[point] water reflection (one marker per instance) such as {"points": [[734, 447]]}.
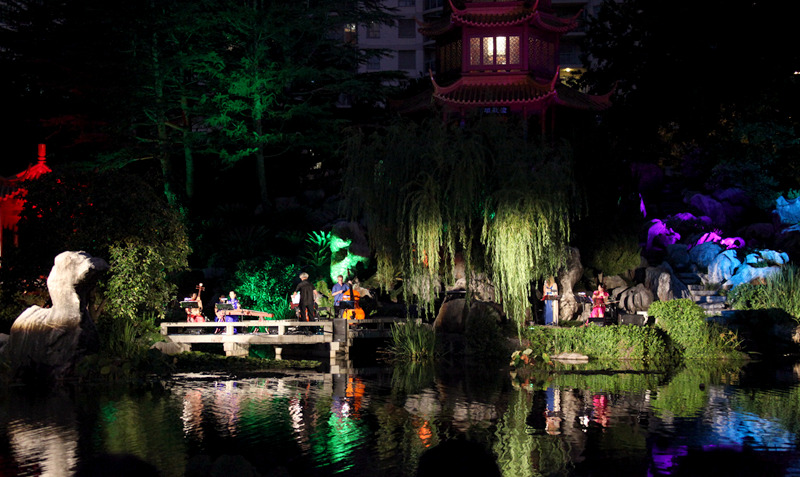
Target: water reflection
{"points": [[568, 421]]}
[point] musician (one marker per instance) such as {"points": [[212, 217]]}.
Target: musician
{"points": [[231, 298], [599, 298], [308, 297], [550, 292], [195, 315], [338, 294]]}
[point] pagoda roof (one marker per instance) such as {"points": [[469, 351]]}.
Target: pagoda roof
{"points": [[575, 99], [10, 186], [498, 14], [34, 171], [500, 90], [517, 92]]}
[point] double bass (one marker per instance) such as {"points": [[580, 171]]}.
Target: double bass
{"points": [[351, 299]]}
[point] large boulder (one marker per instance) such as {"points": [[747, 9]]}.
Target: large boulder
{"points": [[663, 283], [451, 317], [678, 255], [788, 211], [723, 266], [705, 253], [638, 298], [710, 207], [568, 305], [46, 343], [748, 274]]}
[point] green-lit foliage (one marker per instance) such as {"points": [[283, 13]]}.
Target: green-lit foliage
{"points": [[781, 291], [687, 327], [139, 283], [265, 285], [272, 87], [317, 255], [432, 191], [412, 341]]}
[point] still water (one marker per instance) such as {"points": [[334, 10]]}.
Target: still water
{"points": [[577, 420]]}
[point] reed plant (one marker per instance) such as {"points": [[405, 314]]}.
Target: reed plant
{"points": [[413, 341], [781, 291]]}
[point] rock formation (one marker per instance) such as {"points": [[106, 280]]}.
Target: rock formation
{"points": [[46, 343]]}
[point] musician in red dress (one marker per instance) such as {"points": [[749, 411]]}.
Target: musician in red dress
{"points": [[599, 298]]}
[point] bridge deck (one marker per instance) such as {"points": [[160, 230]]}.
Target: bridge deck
{"points": [[277, 333]]}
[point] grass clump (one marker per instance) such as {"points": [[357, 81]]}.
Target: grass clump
{"points": [[781, 291], [412, 341]]}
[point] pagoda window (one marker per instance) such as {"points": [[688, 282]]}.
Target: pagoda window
{"points": [[494, 51]]}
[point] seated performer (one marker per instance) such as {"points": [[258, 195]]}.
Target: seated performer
{"points": [[195, 315], [599, 298]]}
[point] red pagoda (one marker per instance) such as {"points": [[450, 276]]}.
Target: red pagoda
{"points": [[12, 196], [502, 57]]}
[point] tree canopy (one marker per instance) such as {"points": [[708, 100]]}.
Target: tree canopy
{"points": [[430, 193]]}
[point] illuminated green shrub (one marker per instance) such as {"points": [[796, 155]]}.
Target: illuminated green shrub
{"points": [[265, 285]]}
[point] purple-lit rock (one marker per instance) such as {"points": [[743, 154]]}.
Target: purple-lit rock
{"points": [[659, 236]]}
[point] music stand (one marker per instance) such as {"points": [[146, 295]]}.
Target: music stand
{"points": [[189, 304], [224, 306]]}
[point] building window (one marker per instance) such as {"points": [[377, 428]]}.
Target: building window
{"points": [[407, 60], [406, 3], [373, 63], [374, 30], [494, 51], [350, 33], [431, 4], [406, 28]]}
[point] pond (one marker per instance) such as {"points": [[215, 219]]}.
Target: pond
{"points": [[580, 420]]}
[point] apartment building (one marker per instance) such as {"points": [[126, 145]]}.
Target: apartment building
{"points": [[411, 52]]}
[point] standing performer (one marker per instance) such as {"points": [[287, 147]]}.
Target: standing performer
{"points": [[338, 294], [599, 298], [307, 298], [550, 292]]}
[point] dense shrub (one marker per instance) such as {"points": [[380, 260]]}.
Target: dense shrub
{"points": [[266, 285], [612, 342], [687, 326]]}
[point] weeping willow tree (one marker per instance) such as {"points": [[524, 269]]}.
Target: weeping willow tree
{"points": [[429, 192]]}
